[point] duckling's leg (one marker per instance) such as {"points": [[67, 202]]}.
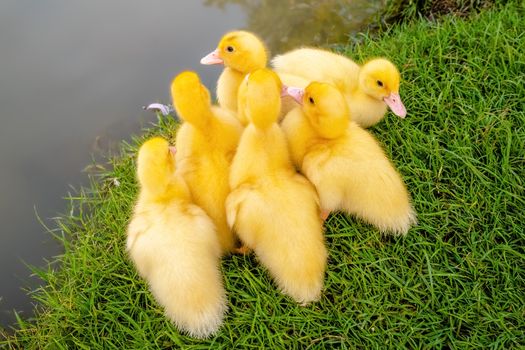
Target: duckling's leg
{"points": [[242, 250]]}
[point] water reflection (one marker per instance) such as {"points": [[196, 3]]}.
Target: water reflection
{"points": [[287, 24]]}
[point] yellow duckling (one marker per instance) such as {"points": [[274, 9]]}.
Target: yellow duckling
{"points": [[273, 209], [206, 141], [368, 89], [174, 246], [344, 162], [241, 52]]}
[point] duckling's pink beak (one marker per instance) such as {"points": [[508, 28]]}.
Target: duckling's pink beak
{"points": [[283, 91], [296, 93], [396, 105], [173, 150], [212, 58]]}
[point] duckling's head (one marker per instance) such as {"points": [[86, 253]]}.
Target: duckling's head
{"points": [[191, 99], [156, 161], [240, 50], [260, 97], [324, 106], [379, 78]]}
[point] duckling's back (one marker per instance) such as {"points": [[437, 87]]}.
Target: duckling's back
{"points": [[354, 174], [204, 162], [174, 246], [275, 212], [319, 65], [273, 209], [206, 142]]}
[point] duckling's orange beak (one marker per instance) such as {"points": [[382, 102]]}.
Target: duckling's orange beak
{"points": [[212, 58], [396, 105], [296, 93]]}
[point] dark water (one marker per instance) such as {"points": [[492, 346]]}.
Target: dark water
{"points": [[73, 74]]}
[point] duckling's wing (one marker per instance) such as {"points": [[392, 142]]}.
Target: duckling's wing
{"points": [[234, 202], [137, 226]]}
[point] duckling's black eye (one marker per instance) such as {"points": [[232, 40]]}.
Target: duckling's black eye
{"points": [[380, 83], [311, 100], [229, 48]]}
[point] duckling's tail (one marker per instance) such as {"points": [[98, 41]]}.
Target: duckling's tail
{"points": [[191, 99], [155, 166]]}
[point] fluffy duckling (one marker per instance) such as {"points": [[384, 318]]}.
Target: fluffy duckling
{"points": [[273, 209], [174, 246], [207, 141], [344, 162], [368, 89], [241, 52]]}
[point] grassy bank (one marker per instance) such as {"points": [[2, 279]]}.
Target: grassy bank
{"points": [[397, 11], [457, 280]]}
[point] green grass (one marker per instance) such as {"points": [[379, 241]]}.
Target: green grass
{"points": [[456, 281]]}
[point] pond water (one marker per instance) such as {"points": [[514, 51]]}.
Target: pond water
{"points": [[75, 75]]}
